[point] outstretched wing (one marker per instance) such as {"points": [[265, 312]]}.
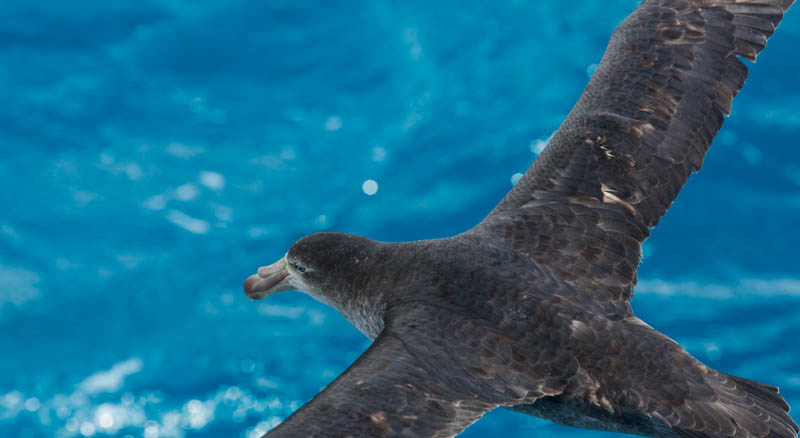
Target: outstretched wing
{"points": [[386, 392], [436, 369], [641, 127]]}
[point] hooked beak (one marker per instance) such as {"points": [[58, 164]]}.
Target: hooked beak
{"points": [[269, 280]]}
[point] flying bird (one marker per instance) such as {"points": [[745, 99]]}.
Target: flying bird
{"points": [[529, 310]]}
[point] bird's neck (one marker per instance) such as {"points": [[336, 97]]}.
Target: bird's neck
{"points": [[392, 273], [366, 316]]}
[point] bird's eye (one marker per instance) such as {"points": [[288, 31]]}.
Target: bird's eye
{"points": [[299, 268]]}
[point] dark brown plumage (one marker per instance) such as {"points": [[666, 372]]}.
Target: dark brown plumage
{"points": [[530, 309]]}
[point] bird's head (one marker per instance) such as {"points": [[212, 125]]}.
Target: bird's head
{"points": [[359, 277], [323, 265]]}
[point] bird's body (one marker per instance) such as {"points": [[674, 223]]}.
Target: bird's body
{"points": [[529, 310]]}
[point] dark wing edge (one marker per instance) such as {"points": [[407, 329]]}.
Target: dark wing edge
{"points": [[694, 400], [738, 407], [386, 392], [641, 127]]}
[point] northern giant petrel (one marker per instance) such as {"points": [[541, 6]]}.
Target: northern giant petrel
{"points": [[529, 310]]}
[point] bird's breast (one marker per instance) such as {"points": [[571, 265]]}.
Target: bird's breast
{"points": [[365, 317]]}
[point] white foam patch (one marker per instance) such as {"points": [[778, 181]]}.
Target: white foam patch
{"points": [[290, 312], [157, 202], [263, 427], [130, 261], [187, 192], [261, 232], [271, 162], [369, 187], [87, 429], [793, 381], [198, 413], [32, 404], [148, 415], [411, 37], [322, 222], [212, 180], [538, 145], [334, 123], [84, 197], [188, 223], [9, 231], [106, 159], [591, 69], [751, 153], [112, 379], [12, 404], [133, 171], [183, 151], [288, 153], [379, 154], [746, 287], [17, 286], [223, 213]]}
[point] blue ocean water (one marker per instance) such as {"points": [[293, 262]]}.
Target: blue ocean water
{"points": [[155, 153]]}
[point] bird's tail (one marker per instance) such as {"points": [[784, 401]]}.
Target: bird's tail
{"points": [[741, 408]]}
